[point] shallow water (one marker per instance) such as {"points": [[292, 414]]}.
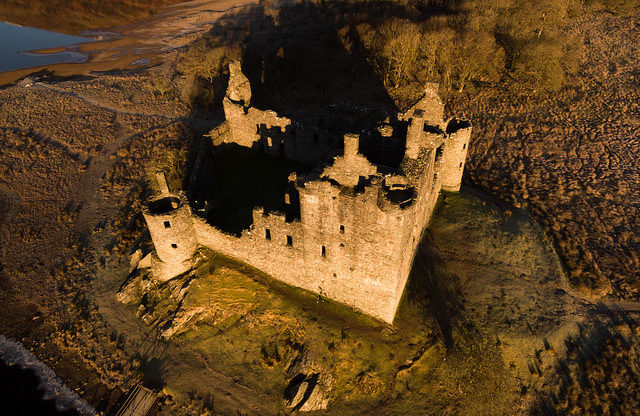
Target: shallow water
{"points": [[20, 394], [17, 42], [30, 387]]}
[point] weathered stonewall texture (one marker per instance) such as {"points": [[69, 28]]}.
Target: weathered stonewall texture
{"points": [[266, 131], [170, 224], [356, 229]]}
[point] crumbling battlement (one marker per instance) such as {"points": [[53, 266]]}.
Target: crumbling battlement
{"points": [[356, 226], [266, 131]]}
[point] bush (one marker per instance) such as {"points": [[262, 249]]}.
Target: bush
{"points": [[206, 67]]}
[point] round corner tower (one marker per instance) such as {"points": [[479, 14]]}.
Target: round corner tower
{"points": [[171, 227], [458, 134]]}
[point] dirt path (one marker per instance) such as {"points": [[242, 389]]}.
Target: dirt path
{"points": [[94, 207], [121, 111]]}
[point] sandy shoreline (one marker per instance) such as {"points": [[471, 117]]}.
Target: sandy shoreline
{"points": [[137, 45]]}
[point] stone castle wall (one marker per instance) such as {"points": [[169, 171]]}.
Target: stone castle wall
{"points": [[170, 225], [455, 154], [343, 247], [358, 230]]}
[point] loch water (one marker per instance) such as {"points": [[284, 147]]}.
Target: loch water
{"points": [[18, 43], [20, 394]]}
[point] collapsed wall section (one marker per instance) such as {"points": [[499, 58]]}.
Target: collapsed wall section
{"points": [[265, 130]]}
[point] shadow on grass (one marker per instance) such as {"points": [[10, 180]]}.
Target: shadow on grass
{"points": [[435, 291], [598, 371]]}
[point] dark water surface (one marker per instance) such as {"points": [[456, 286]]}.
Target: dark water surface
{"points": [[16, 42], [20, 396]]}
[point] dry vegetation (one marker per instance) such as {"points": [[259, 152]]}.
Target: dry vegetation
{"points": [[599, 374], [75, 16], [57, 145], [573, 157], [77, 128]]}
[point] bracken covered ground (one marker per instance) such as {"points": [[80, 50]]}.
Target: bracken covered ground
{"points": [[573, 156]]}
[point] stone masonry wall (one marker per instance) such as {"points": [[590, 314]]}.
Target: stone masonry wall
{"points": [[359, 263], [171, 229], [454, 156], [361, 244], [352, 242]]}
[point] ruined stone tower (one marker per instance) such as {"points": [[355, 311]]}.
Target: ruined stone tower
{"points": [[168, 218], [427, 129], [456, 145]]}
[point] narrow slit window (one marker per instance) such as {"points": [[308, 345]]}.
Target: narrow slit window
{"points": [[324, 251], [167, 224], [464, 146], [174, 245], [289, 241], [439, 153], [460, 165], [257, 128], [267, 234], [342, 229]]}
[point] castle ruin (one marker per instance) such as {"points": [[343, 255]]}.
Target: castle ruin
{"points": [[350, 228]]}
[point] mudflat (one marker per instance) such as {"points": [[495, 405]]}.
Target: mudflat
{"points": [[133, 45]]}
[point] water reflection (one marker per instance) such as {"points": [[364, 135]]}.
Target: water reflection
{"points": [[16, 42]]}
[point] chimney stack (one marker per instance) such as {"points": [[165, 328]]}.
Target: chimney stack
{"points": [[351, 145], [162, 183]]}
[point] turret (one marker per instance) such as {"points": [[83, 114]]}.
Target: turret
{"points": [[171, 228], [456, 146]]}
